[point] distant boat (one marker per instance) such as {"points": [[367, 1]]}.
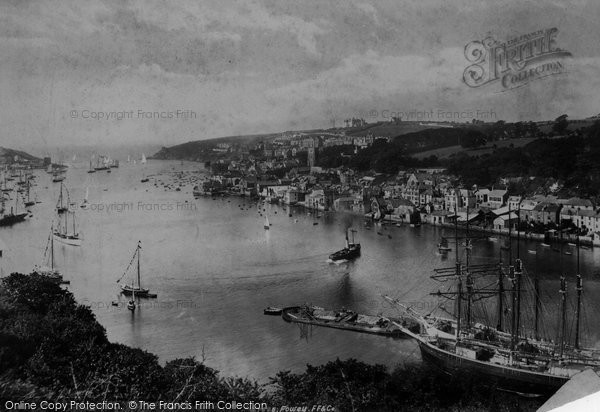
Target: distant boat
{"points": [[85, 204], [9, 218], [267, 224], [29, 202], [57, 177], [443, 245], [62, 205], [492, 239], [545, 245], [143, 161], [272, 310], [533, 252], [133, 289]]}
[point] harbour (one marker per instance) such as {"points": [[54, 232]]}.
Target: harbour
{"points": [[229, 277]]}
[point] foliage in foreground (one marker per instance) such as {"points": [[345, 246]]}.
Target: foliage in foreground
{"points": [[51, 348]]}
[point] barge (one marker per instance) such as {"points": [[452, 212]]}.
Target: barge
{"points": [[349, 320]]}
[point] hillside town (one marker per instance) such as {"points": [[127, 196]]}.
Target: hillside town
{"points": [[286, 171]]}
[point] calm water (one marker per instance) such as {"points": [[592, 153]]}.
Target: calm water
{"points": [[215, 269]]}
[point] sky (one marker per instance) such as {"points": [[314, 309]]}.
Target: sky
{"points": [[225, 68]]}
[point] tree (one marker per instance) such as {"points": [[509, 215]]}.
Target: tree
{"points": [[560, 124]]}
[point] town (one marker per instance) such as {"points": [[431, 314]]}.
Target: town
{"points": [[286, 170]]}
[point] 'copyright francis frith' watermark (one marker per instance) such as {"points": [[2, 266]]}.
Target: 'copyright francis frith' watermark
{"points": [[515, 62], [142, 207], [431, 114], [137, 114]]}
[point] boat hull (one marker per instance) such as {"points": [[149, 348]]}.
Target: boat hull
{"points": [[141, 293], [67, 240], [348, 253], [9, 220], [503, 377], [293, 314]]}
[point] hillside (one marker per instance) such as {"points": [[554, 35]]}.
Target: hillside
{"points": [[7, 156], [389, 129], [202, 150]]}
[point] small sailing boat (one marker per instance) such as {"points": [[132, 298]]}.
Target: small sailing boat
{"points": [[91, 169], [133, 289], [143, 161], [267, 224], [85, 204]]}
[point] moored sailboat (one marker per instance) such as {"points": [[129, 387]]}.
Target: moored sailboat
{"points": [[66, 233], [136, 290], [49, 269]]}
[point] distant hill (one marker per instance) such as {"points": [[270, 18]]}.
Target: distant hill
{"points": [[202, 150], [7, 156], [389, 129]]}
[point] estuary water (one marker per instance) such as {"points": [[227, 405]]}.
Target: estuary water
{"points": [[215, 268]]}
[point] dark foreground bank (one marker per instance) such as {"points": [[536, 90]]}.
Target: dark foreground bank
{"points": [[53, 349]]}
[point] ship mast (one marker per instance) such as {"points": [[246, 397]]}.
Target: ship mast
{"points": [[139, 251], [563, 294], [469, 277], [458, 273], [518, 274], [579, 288]]}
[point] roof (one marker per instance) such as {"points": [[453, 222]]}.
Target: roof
{"points": [[577, 201], [506, 217], [498, 192]]}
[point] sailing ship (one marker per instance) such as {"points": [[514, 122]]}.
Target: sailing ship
{"points": [[91, 169], [136, 290], [67, 233], [49, 270], [351, 251], [143, 160], [102, 163], [9, 218], [62, 205], [29, 201], [267, 225], [510, 359]]}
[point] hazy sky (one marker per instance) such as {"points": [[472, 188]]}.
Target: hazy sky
{"points": [[262, 66]]}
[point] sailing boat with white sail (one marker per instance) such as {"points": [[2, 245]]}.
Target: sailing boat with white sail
{"points": [[85, 204], [137, 290]]}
